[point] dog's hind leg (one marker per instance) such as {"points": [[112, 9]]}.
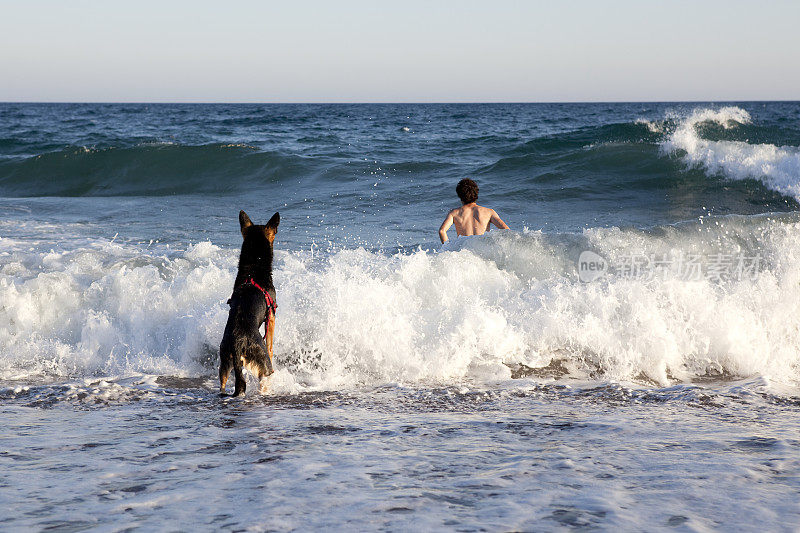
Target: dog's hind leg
{"points": [[225, 366], [241, 382], [224, 371], [263, 384], [265, 372]]}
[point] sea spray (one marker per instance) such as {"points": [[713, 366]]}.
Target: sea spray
{"points": [[473, 311]]}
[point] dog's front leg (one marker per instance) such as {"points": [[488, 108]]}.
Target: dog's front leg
{"points": [[270, 332], [265, 376]]}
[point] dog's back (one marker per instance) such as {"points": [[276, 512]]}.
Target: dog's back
{"points": [[252, 304]]}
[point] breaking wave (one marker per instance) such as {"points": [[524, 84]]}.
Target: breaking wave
{"points": [[482, 309], [777, 167]]}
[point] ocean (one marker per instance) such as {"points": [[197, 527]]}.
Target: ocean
{"points": [[626, 356]]}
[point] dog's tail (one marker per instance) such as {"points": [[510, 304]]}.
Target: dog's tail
{"points": [[252, 350]]}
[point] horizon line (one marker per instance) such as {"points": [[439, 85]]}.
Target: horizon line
{"points": [[498, 102]]}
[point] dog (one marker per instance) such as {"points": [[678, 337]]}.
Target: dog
{"points": [[251, 304]]}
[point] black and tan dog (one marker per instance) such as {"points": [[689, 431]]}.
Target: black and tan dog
{"points": [[252, 304]]}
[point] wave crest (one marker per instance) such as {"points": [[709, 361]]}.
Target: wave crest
{"points": [[147, 169], [777, 167]]}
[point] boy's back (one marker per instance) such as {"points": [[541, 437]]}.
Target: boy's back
{"points": [[470, 218]]}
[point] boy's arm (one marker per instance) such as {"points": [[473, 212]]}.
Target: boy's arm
{"points": [[497, 221], [445, 226]]}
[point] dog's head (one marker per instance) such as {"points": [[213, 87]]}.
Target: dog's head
{"points": [[258, 239]]}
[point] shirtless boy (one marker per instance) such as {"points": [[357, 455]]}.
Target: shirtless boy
{"points": [[470, 218]]}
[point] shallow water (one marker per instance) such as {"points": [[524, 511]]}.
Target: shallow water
{"points": [[169, 454]]}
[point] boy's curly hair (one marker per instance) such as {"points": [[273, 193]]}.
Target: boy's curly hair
{"points": [[467, 190]]}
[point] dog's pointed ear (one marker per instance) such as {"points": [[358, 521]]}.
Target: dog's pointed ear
{"points": [[272, 227], [244, 222], [274, 221]]}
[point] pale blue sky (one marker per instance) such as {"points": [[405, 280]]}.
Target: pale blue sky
{"points": [[401, 51]]}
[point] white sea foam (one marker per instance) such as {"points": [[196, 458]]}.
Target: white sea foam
{"points": [[778, 167], [357, 317], [654, 126], [108, 308]]}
